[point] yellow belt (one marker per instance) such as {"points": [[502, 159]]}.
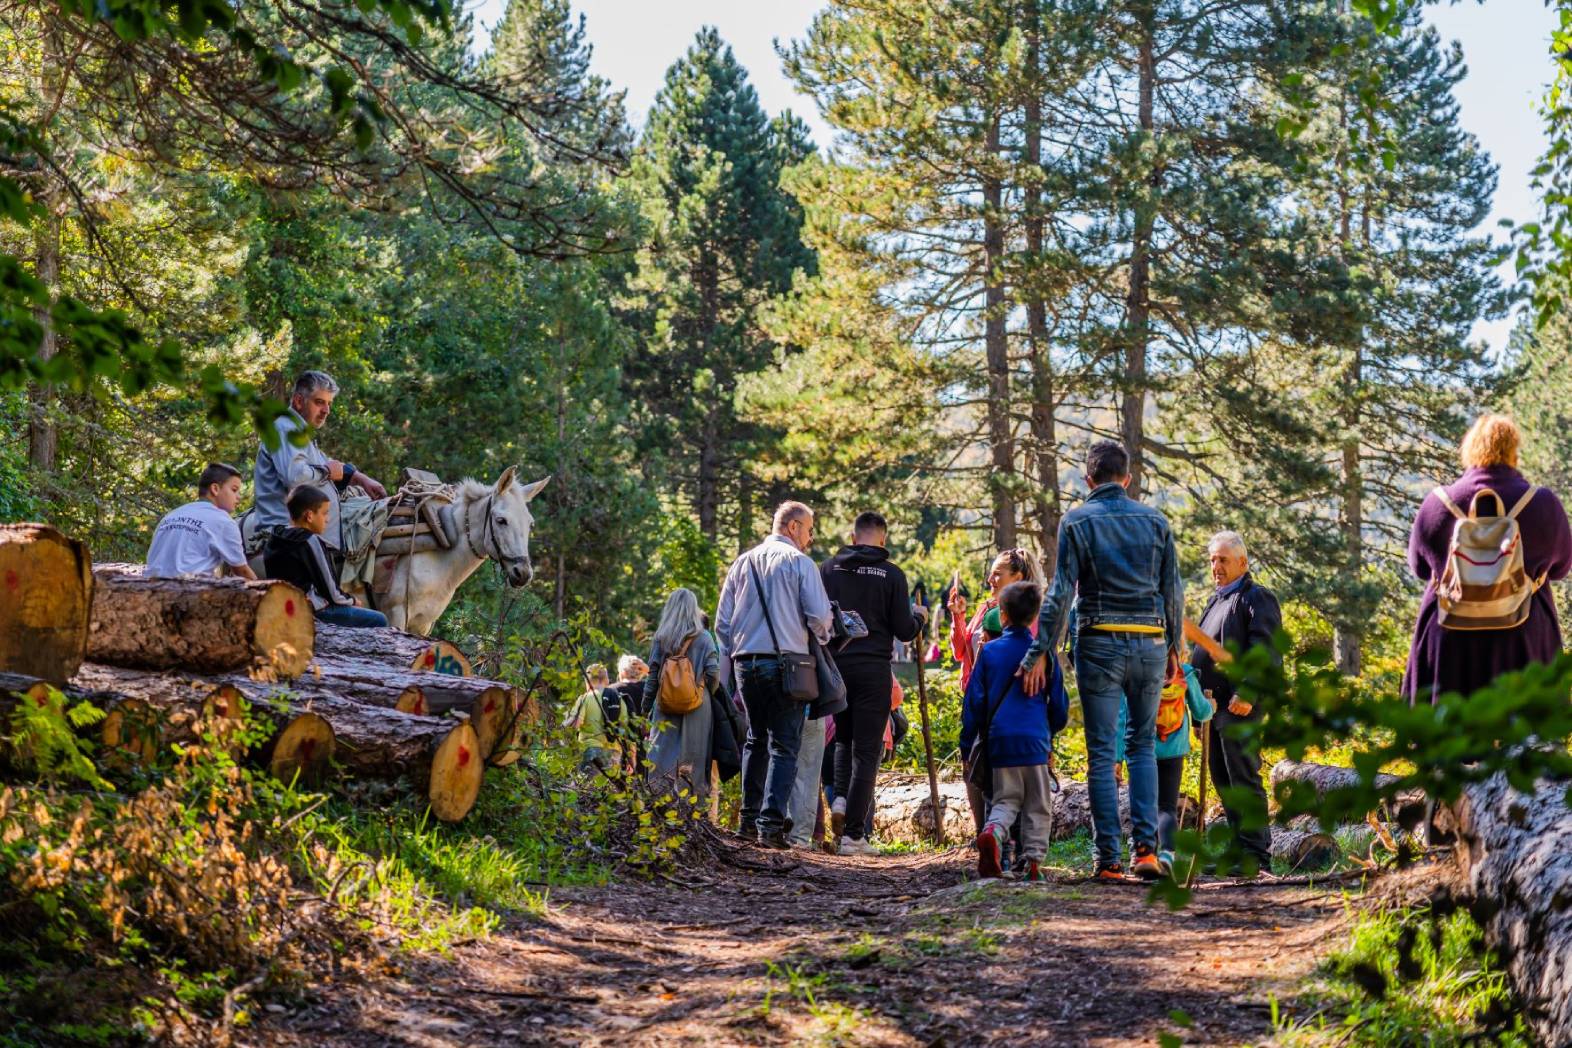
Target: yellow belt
{"points": [[1133, 628]]}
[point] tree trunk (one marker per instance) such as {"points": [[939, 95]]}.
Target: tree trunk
{"points": [[206, 625], [1132, 407], [392, 647], [1325, 777], [42, 439], [1044, 436], [1001, 443], [316, 728], [46, 597], [1512, 848]]}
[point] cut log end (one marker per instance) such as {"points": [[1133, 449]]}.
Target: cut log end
{"points": [[456, 769], [412, 700], [491, 716], [285, 631], [303, 751], [525, 717], [442, 657], [46, 596], [130, 733], [224, 712]]}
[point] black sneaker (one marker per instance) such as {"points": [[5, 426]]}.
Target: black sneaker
{"points": [[748, 830], [776, 839]]}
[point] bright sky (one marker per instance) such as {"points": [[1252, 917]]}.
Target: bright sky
{"points": [[635, 41]]}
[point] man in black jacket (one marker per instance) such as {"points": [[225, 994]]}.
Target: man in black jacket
{"points": [[1243, 614], [861, 578]]}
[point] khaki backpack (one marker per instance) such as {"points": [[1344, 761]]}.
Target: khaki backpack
{"points": [[679, 693], [1484, 585]]}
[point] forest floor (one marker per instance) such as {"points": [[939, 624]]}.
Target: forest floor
{"points": [[773, 948]]}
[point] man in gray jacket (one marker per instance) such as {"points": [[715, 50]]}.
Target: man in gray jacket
{"points": [[772, 597], [281, 470]]}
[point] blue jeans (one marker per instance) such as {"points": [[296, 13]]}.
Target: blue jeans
{"points": [[807, 787], [349, 615], [769, 760], [1110, 668]]}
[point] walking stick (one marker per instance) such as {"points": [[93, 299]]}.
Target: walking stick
{"points": [[927, 742], [1200, 814]]}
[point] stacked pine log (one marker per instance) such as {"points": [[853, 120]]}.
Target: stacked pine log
{"points": [[168, 658]]}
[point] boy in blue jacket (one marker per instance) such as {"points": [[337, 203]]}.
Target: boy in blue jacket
{"points": [[1019, 730]]}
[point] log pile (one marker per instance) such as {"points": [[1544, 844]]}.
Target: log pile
{"points": [[170, 660]]}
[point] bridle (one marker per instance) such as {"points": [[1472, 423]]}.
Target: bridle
{"points": [[493, 549]]}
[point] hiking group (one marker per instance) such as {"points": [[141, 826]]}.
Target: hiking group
{"points": [[793, 688]]}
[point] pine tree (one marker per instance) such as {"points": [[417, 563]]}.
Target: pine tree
{"points": [[723, 238], [1362, 411]]}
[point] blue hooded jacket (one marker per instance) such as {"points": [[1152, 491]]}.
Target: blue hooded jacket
{"points": [[1021, 732]]}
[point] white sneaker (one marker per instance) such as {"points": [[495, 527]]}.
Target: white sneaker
{"points": [[857, 847], [839, 807]]}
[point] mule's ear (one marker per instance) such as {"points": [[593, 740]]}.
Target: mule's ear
{"points": [[506, 480], [531, 490]]}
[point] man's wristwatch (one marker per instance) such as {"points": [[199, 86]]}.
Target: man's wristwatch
{"points": [[349, 471]]}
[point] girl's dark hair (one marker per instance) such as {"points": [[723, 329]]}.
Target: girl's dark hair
{"points": [[1020, 602], [304, 499]]}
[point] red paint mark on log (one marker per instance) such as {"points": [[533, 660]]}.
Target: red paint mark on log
{"points": [[307, 748], [289, 608], [41, 701], [420, 706], [431, 658], [463, 756], [491, 704], [11, 581]]}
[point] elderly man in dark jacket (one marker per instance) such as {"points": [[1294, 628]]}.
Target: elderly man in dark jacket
{"points": [[1242, 614]]}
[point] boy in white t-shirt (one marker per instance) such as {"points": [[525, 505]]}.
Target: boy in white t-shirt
{"points": [[202, 536]]}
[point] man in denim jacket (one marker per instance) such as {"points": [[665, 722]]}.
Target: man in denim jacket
{"points": [[1117, 557]]}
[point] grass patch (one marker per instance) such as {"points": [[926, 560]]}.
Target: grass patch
{"points": [[1449, 991]]}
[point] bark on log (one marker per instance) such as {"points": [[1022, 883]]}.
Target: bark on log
{"points": [[392, 647], [318, 727], [1304, 850], [46, 597], [205, 625], [1323, 778], [1517, 867], [488, 705]]}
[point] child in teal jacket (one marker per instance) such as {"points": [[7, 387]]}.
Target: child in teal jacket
{"points": [[1170, 753]]}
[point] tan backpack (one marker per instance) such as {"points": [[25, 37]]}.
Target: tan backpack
{"points": [[679, 693], [1484, 585]]}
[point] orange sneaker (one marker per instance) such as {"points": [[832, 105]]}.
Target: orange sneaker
{"points": [[1112, 872], [988, 864], [1147, 865]]}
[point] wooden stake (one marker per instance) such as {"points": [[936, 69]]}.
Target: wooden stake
{"points": [[927, 745], [1200, 813]]}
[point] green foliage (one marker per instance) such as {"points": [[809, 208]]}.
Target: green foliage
{"points": [[1402, 980]]}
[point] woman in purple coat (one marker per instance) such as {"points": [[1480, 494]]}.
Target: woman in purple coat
{"points": [[1441, 659]]}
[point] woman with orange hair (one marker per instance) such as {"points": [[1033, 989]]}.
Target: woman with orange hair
{"points": [[1486, 616]]}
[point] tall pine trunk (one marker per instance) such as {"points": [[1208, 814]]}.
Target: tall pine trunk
{"points": [[42, 439], [1132, 409], [1347, 635], [708, 495], [1000, 438], [1044, 437]]}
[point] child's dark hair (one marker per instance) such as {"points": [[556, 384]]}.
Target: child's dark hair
{"points": [[215, 473], [1020, 602], [304, 499]]}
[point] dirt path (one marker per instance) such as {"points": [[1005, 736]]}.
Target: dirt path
{"points": [[764, 948]]}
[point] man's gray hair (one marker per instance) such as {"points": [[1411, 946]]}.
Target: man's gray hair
{"points": [[787, 512], [1229, 540], [311, 381]]}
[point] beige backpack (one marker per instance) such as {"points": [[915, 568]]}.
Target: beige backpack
{"points": [[1485, 586], [679, 693]]}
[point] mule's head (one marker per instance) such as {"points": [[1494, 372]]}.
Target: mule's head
{"points": [[510, 524]]}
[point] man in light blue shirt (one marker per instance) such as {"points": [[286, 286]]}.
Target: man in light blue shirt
{"points": [[280, 471], [778, 578]]}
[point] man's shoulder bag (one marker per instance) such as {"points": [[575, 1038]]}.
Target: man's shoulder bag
{"points": [[799, 673]]}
